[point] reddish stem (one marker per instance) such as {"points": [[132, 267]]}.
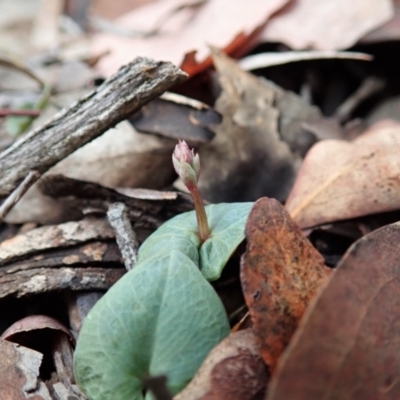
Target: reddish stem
{"points": [[202, 222], [5, 112]]}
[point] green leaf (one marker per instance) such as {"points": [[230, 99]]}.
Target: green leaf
{"points": [[162, 317], [226, 222]]}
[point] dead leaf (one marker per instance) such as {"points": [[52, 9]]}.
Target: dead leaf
{"points": [[53, 339], [31, 323], [347, 345], [388, 31], [340, 180], [183, 31], [347, 22], [265, 60], [280, 272], [45, 30], [252, 157], [106, 161], [177, 117], [233, 370], [19, 373], [386, 109]]}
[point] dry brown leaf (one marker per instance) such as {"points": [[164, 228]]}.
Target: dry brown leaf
{"points": [[233, 370], [216, 22], [280, 272], [340, 180], [389, 31], [19, 373], [347, 345], [270, 59], [108, 160], [177, 117], [31, 323], [326, 25], [252, 157]]}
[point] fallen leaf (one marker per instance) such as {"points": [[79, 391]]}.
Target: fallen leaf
{"points": [[234, 369], [169, 29], [340, 180], [19, 373], [257, 147], [280, 272], [265, 60], [50, 337], [386, 109], [347, 344], [32, 323], [388, 31], [108, 162], [178, 117], [348, 22]]}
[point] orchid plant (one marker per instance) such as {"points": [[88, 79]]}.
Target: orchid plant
{"points": [[163, 317]]}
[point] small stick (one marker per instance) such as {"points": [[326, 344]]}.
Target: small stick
{"points": [[368, 88], [118, 97], [16, 195], [5, 112], [124, 234]]}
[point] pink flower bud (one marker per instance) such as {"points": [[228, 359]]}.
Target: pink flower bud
{"points": [[186, 164]]}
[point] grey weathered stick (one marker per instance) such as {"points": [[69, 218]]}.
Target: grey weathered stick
{"points": [[15, 196], [124, 234], [118, 97]]}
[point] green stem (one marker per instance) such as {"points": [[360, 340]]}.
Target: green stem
{"points": [[202, 222]]}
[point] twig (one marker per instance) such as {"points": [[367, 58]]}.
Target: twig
{"points": [[124, 234], [15, 196], [117, 98], [23, 113], [367, 89]]}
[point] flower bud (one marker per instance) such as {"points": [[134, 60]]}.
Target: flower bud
{"points": [[186, 164]]}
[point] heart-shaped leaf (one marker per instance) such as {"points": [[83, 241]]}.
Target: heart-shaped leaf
{"points": [[226, 223], [162, 317]]}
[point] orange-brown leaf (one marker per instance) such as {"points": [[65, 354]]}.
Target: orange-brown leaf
{"points": [[347, 345], [281, 272]]}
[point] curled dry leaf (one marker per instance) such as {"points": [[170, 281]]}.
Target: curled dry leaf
{"points": [[281, 272], [347, 344], [234, 369], [31, 323], [348, 23], [340, 180]]}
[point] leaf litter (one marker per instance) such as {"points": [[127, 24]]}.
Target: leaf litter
{"points": [[253, 132], [349, 350]]}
